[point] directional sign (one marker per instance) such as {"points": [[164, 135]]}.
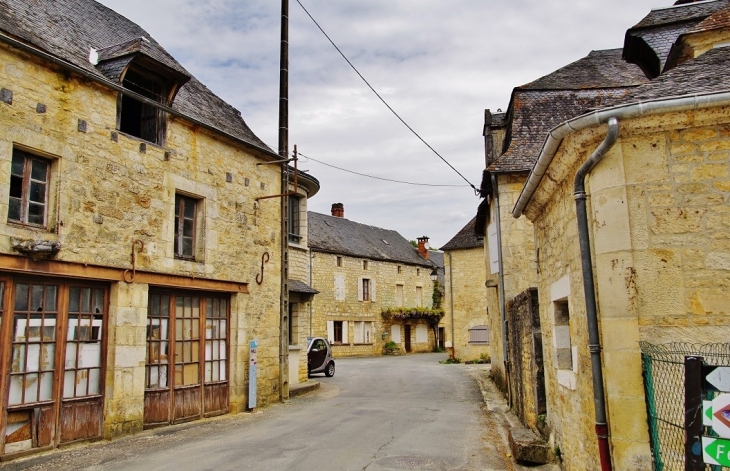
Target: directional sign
{"points": [[252, 373], [716, 451], [717, 377], [707, 413], [721, 415]]}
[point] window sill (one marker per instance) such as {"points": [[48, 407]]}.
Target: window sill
{"points": [[295, 347], [363, 343], [139, 139], [297, 245]]}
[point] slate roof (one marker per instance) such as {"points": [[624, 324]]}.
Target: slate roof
{"points": [[341, 236], [649, 42], [598, 80], [297, 286], [707, 73], [68, 29], [465, 239], [437, 258]]}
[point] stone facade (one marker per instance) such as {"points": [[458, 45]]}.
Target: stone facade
{"points": [[111, 195], [344, 305], [465, 303], [658, 217]]}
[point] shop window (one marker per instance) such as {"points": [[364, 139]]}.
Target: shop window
{"points": [[29, 179], [140, 119], [83, 342], [216, 340]]}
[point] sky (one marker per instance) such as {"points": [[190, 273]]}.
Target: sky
{"points": [[438, 63]]}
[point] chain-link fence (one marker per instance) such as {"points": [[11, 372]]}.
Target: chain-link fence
{"points": [[663, 369]]}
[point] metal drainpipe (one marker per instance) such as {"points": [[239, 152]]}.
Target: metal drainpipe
{"points": [[312, 285], [594, 340], [451, 303], [502, 301]]}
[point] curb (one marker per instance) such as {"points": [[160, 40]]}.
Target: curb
{"points": [[303, 388]]}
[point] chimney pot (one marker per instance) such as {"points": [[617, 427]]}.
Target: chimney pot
{"points": [[338, 210], [422, 249]]}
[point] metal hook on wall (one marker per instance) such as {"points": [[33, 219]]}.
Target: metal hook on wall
{"points": [[130, 274], [264, 259]]}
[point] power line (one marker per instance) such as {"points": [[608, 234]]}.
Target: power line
{"points": [[377, 178], [381, 98]]}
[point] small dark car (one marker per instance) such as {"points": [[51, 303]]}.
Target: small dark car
{"points": [[319, 357]]}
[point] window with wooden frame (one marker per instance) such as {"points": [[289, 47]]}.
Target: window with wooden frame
{"points": [[294, 219], [140, 119], [83, 342], [338, 331], [29, 181], [186, 215], [216, 339], [365, 289]]}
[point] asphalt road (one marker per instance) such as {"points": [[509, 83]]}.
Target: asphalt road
{"points": [[387, 413]]}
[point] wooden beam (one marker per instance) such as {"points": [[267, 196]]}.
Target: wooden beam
{"points": [[29, 266]]}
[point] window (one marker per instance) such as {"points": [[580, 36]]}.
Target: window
{"points": [[418, 272], [28, 189], [337, 332], [363, 332], [419, 296], [398, 295], [185, 215], [365, 290], [140, 119], [339, 262], [294, 219], [364, 264], [563, 349], [400, 269], [421, 333], [479, 335]]}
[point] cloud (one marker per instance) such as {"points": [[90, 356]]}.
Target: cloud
{"points": [[438, 63]]}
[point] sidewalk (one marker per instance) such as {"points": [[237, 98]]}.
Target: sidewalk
{"points": [[506, 430]]}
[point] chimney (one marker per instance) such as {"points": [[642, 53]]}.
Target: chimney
{"points": [[338, 210], [422, 250]]}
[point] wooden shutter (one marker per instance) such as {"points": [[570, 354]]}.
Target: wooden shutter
{"points": [[359, 289], [372, 289], [345, 336], [331, 331]]}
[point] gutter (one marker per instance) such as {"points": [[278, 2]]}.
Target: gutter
{"points": [[118, 88], [635, 110], [451, 306], [502, 299]]}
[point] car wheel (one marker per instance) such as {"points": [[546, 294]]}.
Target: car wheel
{"points": [[330, 370]]}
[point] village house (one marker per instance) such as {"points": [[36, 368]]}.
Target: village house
{"points": [[138, 260], [466, 322], [360, 271], [628, 203]]}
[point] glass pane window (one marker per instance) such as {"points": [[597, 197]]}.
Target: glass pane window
{"points": [[27, 202], [82, 376], [216, 340], [294, 219], [156, 364], [33, 343], [185, 216]]}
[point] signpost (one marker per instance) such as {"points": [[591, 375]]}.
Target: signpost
{"points": [[716, 451], [716, 414], [718, 377], [252, 373]]}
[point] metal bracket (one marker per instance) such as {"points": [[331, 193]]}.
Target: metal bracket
{"points": [[129, 275], [264, 259]]}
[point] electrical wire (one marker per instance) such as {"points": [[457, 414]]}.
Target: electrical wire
{"points": [[383, 100], [377, 178]]}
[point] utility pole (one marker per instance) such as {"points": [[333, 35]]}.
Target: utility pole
{"points": [[284, 154]]}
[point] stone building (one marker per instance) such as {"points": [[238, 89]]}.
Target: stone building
{"points": [[137, 261], [645, 267], [466, 320], [359, 271]]}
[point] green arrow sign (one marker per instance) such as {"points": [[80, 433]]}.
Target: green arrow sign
{"points": [[716, 451]]}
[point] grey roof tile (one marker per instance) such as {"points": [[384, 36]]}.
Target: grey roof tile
{"points": [[600, 79], [342, 236], [466, 238], [297, 286], [68, 29]]}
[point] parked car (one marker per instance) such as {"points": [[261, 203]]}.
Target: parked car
{"points": [[319, 357]]}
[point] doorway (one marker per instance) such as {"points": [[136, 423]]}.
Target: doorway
{"points": [[407, 332]]}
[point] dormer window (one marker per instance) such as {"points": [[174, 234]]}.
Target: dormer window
{"points": [[141, 119]]}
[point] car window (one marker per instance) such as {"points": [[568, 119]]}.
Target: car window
{"points": [[319, 344]]}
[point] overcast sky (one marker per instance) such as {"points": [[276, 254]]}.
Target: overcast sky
{"points": [[438, 63]]}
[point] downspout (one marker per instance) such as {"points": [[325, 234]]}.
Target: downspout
{"points": [[594, 340], [312, 285], [451, 305], [502, 301]]}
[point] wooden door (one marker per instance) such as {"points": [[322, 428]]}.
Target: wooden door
{"points": [[407, 332], [187, 374]]}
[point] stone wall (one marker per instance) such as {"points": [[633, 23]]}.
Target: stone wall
{"points": [[659, 230], [108, 189], [466, 293], [385, 276]]}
